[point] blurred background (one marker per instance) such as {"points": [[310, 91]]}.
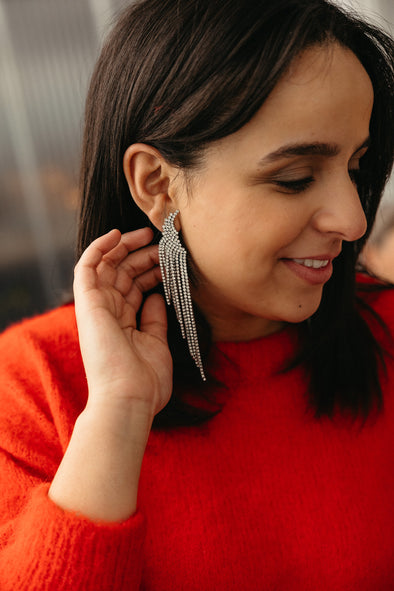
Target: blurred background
{"points": [[47, 52]]}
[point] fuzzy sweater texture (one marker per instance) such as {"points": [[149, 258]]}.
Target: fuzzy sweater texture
{"points": [[262, 497]]}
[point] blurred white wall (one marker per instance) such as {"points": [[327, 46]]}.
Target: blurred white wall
{"points": [[47, 51]]}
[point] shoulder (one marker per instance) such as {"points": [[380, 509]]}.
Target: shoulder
{"points": [[46, 323], [42, 379], [41, 353], [50, 332]]}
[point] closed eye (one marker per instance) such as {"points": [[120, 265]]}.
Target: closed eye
{"points": [[296, 185]]}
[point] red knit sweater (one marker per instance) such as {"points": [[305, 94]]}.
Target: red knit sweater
{"points": [[261, 497]]}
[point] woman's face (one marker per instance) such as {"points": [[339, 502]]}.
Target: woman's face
{"points": [[267, 213]]}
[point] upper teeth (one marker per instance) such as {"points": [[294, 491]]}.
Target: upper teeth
{"points": [[314, 263]]}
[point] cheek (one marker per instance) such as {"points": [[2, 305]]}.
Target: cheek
{"points": [[249, 232], [245, 254]]}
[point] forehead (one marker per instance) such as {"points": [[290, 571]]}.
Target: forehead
{"points": [[324, 88], [326, 96], [322, 65], [321, 81]]}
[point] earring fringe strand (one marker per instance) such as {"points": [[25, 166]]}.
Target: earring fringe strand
{"points": [[173, 265]]}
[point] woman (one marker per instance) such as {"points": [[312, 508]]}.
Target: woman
{"points": [[262, 133]]}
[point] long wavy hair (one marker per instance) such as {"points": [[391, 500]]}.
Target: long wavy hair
{"points": [[180, 74]]}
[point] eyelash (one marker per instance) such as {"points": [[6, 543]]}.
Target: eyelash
{"points": [[296, 186], [300, 185]]}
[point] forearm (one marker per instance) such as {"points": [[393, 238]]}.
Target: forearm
{"points": [[99, 474]]}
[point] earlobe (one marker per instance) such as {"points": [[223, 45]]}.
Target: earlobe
{"points": [[148, 176]]}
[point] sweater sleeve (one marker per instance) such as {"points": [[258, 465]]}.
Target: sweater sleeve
{"points": [[43, 547]]}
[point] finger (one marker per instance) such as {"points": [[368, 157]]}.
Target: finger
{"points": [[134, 268], [137, 238], [129, 287], [129, 242], [85, 272], [94, 253], [148, 280], [140, 261], [113, 241], [154, 317]]}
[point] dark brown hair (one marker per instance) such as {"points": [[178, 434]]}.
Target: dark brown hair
{"points": [[180, 74]]}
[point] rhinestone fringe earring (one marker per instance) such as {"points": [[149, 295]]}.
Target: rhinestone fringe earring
{"points": [[172, 258]]}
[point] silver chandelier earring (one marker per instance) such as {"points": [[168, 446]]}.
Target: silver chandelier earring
{"points": [[173, 265]]}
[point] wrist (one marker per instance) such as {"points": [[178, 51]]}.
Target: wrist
{"points": [[121, 419], [99, 474]]}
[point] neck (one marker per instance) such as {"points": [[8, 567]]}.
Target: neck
{"points": [[244, 327]]}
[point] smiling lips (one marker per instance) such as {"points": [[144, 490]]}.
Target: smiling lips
{"points": [[314, 271], [312, 263]]}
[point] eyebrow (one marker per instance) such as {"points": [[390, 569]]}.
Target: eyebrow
{"points": [[304, 149]]}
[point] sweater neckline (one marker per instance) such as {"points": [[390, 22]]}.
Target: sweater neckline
{"points": [[260, 356]]}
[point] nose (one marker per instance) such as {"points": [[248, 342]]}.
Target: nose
{"points": [[340, 212]]}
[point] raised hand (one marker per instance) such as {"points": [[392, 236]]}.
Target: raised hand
{"points": [[123, 361], [129, 373]]}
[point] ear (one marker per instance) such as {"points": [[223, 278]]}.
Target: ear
{"points": [[148, 175]]}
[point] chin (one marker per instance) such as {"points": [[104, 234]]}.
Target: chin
{"points": [[302, 312]]}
